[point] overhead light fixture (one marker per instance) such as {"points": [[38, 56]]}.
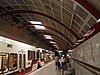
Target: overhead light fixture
{"points": [[39, 27], [52, 42], [70, 50], [60, 51], [35, 22], [48, 37], [55, 45]]}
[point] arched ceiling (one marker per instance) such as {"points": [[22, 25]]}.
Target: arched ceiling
{"points": [[68, 20]]}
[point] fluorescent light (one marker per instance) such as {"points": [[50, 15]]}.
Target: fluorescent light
{"points": [[52, 42], [48, 37], [55, 45], [39, 27], [35, 22], [47, 50], [70, 50], [60, 51]]}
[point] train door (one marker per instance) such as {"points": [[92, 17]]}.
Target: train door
{"points": [[22, 61]]}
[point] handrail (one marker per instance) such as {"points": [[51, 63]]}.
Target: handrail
{"points": [[89, 67]]}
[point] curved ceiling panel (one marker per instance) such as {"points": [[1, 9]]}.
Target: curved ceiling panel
{"points": [[32, 25], [43, 14], [67, 19]]}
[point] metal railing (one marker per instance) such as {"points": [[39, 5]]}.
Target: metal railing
{"points": [[93, 69]]}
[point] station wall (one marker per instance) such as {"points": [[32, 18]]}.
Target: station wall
{"points": [[88, 52]]}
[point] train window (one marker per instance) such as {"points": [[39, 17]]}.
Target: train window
{"points": [[3, 62], [31, 55], [13, 61]]}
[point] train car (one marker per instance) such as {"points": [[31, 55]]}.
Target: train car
{"points": [[16, 56], [45, 56]]}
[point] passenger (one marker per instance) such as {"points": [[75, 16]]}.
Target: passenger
{"points": [[56, 62], [57, 57], [62, 62]]}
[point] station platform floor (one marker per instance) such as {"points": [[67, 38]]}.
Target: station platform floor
{"points": [[49, 69]]}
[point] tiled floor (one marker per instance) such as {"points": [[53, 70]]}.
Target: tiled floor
{"points": [[48, 69]]}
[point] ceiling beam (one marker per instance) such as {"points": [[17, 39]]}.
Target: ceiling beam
{"points": [[62, 40], [47, 33], [43, 14], [31, 25], [95, 28], [57, 40], [90, 8]]}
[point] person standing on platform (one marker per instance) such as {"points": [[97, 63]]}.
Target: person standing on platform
{"points": [[56, 62], [57, 57], [62, 62]]}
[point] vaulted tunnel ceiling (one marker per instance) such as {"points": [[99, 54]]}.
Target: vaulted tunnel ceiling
{"points": [[67, 21]]}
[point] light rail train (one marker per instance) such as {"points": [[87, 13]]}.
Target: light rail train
{"points": [[17, 57]]}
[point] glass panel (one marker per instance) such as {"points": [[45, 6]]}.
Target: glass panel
{"points": [[31, 55], [3, 62], [13, 61]]}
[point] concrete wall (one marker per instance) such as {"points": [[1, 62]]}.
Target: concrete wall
{"points": [[88, 52]]}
